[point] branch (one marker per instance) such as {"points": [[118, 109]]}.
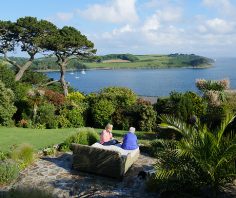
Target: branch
{"points": [[51, 82], [11, 61]]}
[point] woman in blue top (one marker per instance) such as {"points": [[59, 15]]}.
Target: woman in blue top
{"points": [[130, 141]]}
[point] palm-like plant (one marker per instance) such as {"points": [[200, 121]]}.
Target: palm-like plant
{"points": [[201, 158]]}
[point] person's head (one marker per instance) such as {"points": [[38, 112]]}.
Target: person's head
{"points": [[109, 127], [132, 129]]}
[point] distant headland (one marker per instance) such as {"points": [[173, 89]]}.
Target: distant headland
{"points": [[124, 61]]}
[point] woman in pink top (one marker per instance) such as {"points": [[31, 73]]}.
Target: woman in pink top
{"points": [[106, 136]]}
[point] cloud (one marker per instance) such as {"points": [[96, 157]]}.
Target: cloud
{"points": [[64, 16], [151, 24], [117, 32], [116, 11], [160, 28], [170, 14], [225, 7], [218, 26]]}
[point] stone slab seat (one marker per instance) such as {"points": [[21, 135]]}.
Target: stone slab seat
{"points": [[111, 161]]}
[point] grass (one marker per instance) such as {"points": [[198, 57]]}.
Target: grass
{"points": [[38, 138], [41, 138], [148, 61]]}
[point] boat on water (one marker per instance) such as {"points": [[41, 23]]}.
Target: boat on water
{"points": [[77, 75], [72, 72], [83, 72]]}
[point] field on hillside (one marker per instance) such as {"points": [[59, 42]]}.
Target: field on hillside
{"points": [[149, 61]]}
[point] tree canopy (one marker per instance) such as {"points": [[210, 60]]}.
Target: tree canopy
{"points": [[28, 33], [66, 44], [36, 36]]}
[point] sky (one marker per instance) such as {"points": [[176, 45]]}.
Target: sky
{"points": [[203, 27]]}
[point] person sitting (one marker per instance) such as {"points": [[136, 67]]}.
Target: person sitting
{"points": [[130, 140], [106, 136]]}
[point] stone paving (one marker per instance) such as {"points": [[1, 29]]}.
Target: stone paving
{"points": [[55, 175]]}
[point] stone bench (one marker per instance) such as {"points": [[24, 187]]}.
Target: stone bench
{"points": [[111, 161]]}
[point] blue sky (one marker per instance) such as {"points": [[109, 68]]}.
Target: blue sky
{"points": [[204, 27]]}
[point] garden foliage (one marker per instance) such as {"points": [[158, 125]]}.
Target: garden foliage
{"points": [[7, 108], [201, 159], [85, 136]]}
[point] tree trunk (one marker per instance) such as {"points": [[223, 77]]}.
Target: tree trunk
{"points": [[35, 112], [23, 69], [62, 78]]}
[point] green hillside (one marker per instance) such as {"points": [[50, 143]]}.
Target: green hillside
{"points": [[124, 61], [156, 61]]}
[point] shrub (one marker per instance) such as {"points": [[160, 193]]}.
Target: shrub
{"points": [[23, 123], [54, 97], [20, 90], [71, 116], [49, 151], [214, 85], [8, 171], [3, 156], [122, 119], [7, 108], [28, 192], [85, 136], [23, 155], [120, 96], [63, 122], [46, 115], [102, 111], [7, 76], [143, 117], [202, 159], [183, 106], [76, 97], [34, 78]]}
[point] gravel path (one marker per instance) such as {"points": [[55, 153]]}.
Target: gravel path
{"points": [[55, 174]]}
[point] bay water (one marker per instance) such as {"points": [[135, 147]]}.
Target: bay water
{"points": [[150, 82]]}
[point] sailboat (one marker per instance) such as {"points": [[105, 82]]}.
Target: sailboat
{"points": [[83, 72], [72, 72], [77, 76]]}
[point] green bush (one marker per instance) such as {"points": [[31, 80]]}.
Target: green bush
{"points": [[71, 116], [143, 117], [8, 171], [7, 76], [3, 156], [85, 136], [182, 105], [120, 96], [46, 115], [122, 119], [201, 160], [20, 90], [108, 101], [28, 193], [63, 122], [23, 155], [75, 97], [7, 108], [102, 111]]}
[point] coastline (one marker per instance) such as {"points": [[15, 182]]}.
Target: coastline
{"points": [[119, 68]]}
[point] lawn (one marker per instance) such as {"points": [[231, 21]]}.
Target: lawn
{"points": [[41, 138]]}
